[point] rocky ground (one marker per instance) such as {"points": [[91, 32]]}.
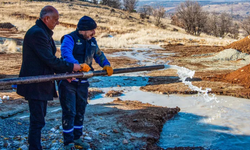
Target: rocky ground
{"points": [[116, 125], [121, 124]]}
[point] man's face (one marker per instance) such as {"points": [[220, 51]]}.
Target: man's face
{"points": [[52, 20], [87, 35]]}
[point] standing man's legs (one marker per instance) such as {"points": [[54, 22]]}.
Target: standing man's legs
{"points": [[81, 103], [67, 95], [38, 110]]}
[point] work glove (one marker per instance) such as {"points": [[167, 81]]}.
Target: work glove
{"points": [[84, 67], [108, 69]]}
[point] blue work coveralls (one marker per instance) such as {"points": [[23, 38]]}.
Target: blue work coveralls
{"points": [[73, 96]]}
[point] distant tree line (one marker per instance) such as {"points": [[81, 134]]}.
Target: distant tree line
{"points": [[190, 16], [245, 25], [128, 5], [158, 13]]}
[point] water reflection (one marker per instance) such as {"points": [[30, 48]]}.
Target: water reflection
{"points": [[189, 130]]}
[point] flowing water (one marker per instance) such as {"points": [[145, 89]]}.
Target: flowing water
{"points": [[209, 121]]}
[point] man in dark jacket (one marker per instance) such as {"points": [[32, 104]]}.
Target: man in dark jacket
{"points": [[78, 47], [39, 59]]}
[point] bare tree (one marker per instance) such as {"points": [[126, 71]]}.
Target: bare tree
{"points": [[245, 25], [159, 13], [192, 16], [176, 21], [224, 23], [95, 1], [130, 5], [235, 31], [211, 27], [221, 25], [111, 3], [145, 11]]}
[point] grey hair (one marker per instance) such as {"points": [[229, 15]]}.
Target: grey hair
{"points": [[46, 11]]}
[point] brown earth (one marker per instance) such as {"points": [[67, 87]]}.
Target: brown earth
{"points": [[241, 45], [222, 82]]}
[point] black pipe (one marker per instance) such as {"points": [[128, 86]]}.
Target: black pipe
{"points": [[46, 78]]}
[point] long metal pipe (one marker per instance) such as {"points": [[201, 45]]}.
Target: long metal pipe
{"points": [[46, 78]]}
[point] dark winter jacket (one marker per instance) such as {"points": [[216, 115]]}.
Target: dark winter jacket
{"points": [[39, 59]]}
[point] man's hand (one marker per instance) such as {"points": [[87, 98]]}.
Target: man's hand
{"points": [[108, 69], [70, 80], [76, 67], [85, 67]]}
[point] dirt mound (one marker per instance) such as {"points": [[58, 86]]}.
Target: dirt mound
{"points": [[24, 16], [229, 55], [7, 26], [241, 45], [240, 76]]}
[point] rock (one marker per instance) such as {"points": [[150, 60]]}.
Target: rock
{"points": [[5, 144], [6, 97], [135, 120], [125, 141], [113, 93], [53, 130], [118, 99], [23, 147], [115, 131], [87, 138]]}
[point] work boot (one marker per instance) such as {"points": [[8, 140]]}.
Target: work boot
{"points": [[71, 146], [80, 142]]}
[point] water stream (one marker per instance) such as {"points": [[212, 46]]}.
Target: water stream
{"points": [[209, 121]]}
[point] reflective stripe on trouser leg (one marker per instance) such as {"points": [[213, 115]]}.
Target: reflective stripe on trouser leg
{"points": [[81, 103], [67, 95]]}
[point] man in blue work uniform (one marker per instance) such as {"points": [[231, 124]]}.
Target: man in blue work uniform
{"points": [[78, 47]]}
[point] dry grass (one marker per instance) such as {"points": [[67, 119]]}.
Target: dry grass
{"points": [[126, 29]]}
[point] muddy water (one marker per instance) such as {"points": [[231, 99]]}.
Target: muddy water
{"points": [[222, 125], [220, 122], [213, 125]]}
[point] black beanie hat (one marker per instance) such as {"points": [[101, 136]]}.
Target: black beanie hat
{"points": [[86, 23]]}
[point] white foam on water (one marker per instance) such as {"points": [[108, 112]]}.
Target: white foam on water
{"points": [[185, 73]]}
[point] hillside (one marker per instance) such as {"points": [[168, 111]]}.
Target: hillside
{"points": [[126, 29]]}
